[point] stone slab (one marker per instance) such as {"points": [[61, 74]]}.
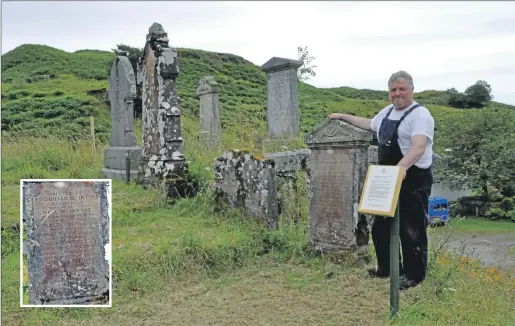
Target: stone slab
{"points": [[67, 229], [290, 161]]}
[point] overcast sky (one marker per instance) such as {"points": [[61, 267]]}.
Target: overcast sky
{"points": [[356, 44]]}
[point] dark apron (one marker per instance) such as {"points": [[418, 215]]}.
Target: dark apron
{"points": [[414, 201]]}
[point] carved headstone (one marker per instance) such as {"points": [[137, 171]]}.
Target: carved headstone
{"points": [[282, 98], [67, 229], [339, 158], [122, 92], [242, 180], [210, 125], [163, 162]]}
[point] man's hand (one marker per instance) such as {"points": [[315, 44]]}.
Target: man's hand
{"points": [[363, 123]]}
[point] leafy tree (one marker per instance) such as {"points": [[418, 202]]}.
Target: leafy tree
{"points": [[132, 54], [478, 94], [481, 150], [307, 70], [475, 96]]}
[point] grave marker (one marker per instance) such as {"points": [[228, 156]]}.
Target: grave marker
{"points": [[338, 164], [163, 162], [283, 117], [122, 92], [210, 125], [67, 229]]}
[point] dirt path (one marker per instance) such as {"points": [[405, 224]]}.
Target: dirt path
{"points": [[496, 250]]}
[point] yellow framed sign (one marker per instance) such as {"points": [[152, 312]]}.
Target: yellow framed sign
{"points": [[380, 192]]}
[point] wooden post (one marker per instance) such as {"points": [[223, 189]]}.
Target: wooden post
{"points": [[394, 263], [92, 130]]}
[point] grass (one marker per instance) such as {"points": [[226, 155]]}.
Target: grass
{"points": [[482, 225], [181, 265]]}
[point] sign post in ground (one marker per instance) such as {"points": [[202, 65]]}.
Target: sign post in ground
{"points": [[380, 196]]}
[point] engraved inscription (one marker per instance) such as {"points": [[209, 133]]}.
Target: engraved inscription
{"points": [[67, 220], [279, 93], [332, 181]]}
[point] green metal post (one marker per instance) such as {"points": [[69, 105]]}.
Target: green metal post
{"points": [[394, 263]]}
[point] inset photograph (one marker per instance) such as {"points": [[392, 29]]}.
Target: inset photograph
{"points": [[66, 243]]}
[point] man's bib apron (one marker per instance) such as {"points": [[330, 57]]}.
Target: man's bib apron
{"points": [[414, 198]]}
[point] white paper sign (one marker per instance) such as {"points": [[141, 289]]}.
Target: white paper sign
{"points": [[381, 190]]}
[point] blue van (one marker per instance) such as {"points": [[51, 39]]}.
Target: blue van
{"points": [[438, 210]]}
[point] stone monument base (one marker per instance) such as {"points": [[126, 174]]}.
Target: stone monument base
{"points": [[271, 145], [118, 174], [114, 162]]}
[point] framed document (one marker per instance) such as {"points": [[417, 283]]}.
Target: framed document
{"points": [[380, 192]]}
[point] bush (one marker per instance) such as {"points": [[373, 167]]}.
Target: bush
{"points": [[467, 205], [496, 213], [507, 204], [511, 215]]}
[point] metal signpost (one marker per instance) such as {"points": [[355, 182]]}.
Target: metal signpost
{"points": [[380, 196]]}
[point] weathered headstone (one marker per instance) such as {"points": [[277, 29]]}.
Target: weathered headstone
{"points": [[242, 180], [282, 98], [339, 158], [122, 92], [67, 229], [210, 125], [163, 163]]}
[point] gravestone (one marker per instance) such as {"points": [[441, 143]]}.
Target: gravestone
{"points": [[338, 165], [162, 162], [282, 98], [122, 92], [67, 229], [242, 180], [210, 125]]}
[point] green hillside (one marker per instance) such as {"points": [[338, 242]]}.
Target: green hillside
{"points": [[50, 91]]}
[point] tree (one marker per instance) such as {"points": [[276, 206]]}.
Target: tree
{"points": [[306, 71], [132, 54], [481, 150], [478, 94], [475, 96]]}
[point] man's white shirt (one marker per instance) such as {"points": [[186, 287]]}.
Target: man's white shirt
{"points": [[418, 122]]}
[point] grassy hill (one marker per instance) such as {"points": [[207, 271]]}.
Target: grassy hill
{"points": [[62, 103]]}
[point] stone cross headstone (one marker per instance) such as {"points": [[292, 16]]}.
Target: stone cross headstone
{"points": [[339, 159], [242, 180], [282, 98], [122, 92], [163, 162], [210, 124], [67, 230]]}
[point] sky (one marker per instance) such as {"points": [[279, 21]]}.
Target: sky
{"points": [[355, 44]]}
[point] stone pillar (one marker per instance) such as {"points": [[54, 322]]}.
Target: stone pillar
{"points": [[122, 92], [282, 98], [163, 162], [338, 165], [210, 124]]}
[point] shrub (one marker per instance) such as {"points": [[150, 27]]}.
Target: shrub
{"points": [[496, 213], [507, 204]]}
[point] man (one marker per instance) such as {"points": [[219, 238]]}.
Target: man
{"points": [[405, 131]]}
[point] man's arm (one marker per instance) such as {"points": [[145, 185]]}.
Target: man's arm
{"points": [[362, 123], [415, 152]]}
